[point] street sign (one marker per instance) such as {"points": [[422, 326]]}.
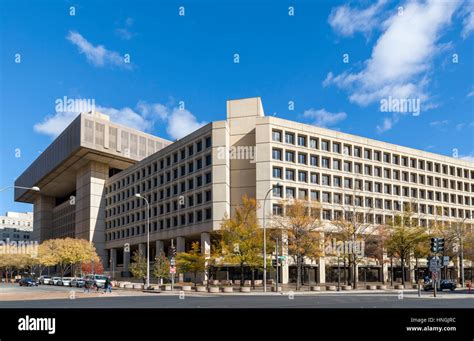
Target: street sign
{"points": [[434, 265], [172, 269], [172, 262], [445, 260]]}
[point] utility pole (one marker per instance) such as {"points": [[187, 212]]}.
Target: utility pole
{"points": [[277, 261], [172, 262]]}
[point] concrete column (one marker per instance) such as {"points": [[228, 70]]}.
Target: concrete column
{"points": [[142, 249], [180, 244], [160, 247], [113, 260], [322, 270], [284, 266], [126, 260], [385, 263], [180, 247], [411, 268], [206, 249], [90, 205], [42, 217]]}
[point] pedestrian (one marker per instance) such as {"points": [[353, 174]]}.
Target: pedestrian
{"points": [[469, 285], [87, 287], [107, 286]]}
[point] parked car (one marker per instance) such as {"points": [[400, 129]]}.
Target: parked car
{"points": [[44, 280], [444, 284], [98, 280], [27, 282], [54, 280], [78, 282], [65, 281]]}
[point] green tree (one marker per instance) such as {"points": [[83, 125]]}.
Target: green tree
{"points": [[161, 268], [241, 241], [192, 261], [138, 266]]}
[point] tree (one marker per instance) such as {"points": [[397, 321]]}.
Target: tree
{"points": [[72, 251], [47, 255], [301, 224], [94, 267], [241, 240], [356, 227], [404, 236], [138, 266], [192, 261], [161, 268]]}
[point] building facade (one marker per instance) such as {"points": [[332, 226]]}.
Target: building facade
{"points": [[16, 226], [192, 183]]}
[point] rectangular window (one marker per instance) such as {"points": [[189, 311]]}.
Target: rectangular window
{"points": [[290, 138], [276, 135]]}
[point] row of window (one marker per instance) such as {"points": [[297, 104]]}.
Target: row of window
{"points": [[176, 221], [368, 154], [164, 208], [361, 217], [178, 188], [168, 161], [361, 201], [367, 170]]}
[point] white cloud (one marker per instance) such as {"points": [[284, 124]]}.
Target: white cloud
{"points": [[387, 124], [182, 123], [53, 125], [346, 20], [469, 158], [470, 94], [179, 122], [98, 55], [439, 123], [124, 32], [401, 58], [323, 118], [468, 21]]}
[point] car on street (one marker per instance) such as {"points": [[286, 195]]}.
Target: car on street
{"points": [[44, 280], [444, 284], [27, 282], [65, 281], [98, 280], [54, 280], [78, 282]]}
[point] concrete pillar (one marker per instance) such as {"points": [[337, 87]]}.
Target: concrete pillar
{"points": [[142, 249], [284, 266], [411, 268], [43, 217], [321, 270], [385, 263], [160, 247], [90, 205], [126, 260], [180, 244], [113, 260], [180, 247], [206, 249]]}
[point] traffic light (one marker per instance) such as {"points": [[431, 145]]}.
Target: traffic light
{"points": [[274, 262], [441, 245], [434, 245]]}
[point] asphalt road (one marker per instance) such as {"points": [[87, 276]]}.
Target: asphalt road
{"points": [[121, 299]]}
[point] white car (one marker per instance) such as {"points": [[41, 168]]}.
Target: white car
{"points": [[65, 281], [44, 280], [98, 280], [54, 281]]}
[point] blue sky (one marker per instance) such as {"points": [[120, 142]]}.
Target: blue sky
{"points": [[335, 60]]}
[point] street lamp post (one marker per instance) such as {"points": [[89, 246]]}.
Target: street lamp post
{"points": [[265, 241], [34, 188], [138, 195]]}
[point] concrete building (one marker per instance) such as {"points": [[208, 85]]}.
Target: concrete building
{"points": [[16, 226], [191, 184]]}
